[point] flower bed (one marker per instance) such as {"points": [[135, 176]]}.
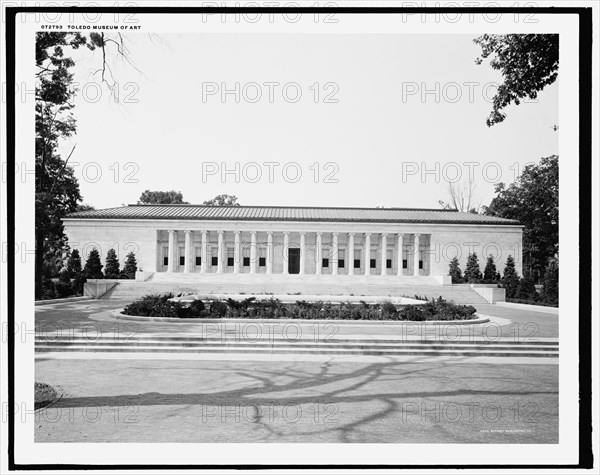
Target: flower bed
{"points": [[162, 307]]}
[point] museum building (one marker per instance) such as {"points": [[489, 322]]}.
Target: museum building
{"points": [[294, 241]]}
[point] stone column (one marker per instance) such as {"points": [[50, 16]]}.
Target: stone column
{"points": [[286, 245], [172, 251], [270, 252], [367, 253], [253, 253], [350, 252], [318, 254], [237, 258], [335, 255], [189, 252], [220, 253], [383, 254], [302, 252], [204, 265], [416, 256], [400, 248]]}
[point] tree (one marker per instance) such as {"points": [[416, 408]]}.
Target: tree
{"points": [[93, 266], [74, 264], [510, 279], [489, 273], [533, 201], [85, 207], [111, 270], [74, 268], [526, 289], [161, 197], [550, 283], [222, 200], [528, 63], [63, 287], [455, 272], [472, 271], [56, 188], [462, 198], [130, 267]]}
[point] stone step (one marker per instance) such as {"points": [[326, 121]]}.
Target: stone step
{"points": [[458, 294], [300, 351], [233, 340], [262, 344]]}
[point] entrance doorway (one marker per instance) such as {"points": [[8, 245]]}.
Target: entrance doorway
{"points": [[294, 260]]}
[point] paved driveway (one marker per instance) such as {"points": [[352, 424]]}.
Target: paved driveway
{"points": [[247, 401]]}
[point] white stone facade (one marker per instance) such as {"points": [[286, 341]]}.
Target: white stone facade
{"points": [[304, 248]]}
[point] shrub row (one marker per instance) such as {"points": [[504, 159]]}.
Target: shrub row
{"points": [[161, 306]]}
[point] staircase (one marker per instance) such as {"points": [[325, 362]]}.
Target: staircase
{"points": [[278, 284], [271, 346]]}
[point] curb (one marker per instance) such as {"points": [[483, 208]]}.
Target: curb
{"points": [[65, 300], [120, 316], [532, 308]]}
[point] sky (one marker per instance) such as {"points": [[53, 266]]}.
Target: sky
{"points": [[382, 120]]}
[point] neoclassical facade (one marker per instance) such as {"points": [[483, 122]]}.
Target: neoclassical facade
{"points": [[194, 240]]}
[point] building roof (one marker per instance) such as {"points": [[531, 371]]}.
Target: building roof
{"points": [[290, 213]]}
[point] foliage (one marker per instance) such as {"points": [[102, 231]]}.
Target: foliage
{"points": [[130, 267], [218, 308], [550, 283], [161, 197], [93, 266], [48, 290], [526, 290], [85, 207], [533, 201], [56, 188], [74, 263], [111, 270], [490, 274], [441, 309], [63, 286], [160, 306], [388, 311], [528, 63], [222, 200], [510, 279], [455, 272], [472, 271]]}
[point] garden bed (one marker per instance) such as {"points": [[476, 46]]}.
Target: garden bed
{"points": [[161, 306]]}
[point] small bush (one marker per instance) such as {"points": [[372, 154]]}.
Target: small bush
{"points": [[218, 308], [389, 311], [197, 308], [160, 306]]}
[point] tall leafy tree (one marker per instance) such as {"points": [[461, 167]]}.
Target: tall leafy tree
{"points": [[533, 201], [222, 200], [161, 197], [56, 188], [528, 63]]}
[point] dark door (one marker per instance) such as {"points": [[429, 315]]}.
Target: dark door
{"points": [[294, 260]]}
